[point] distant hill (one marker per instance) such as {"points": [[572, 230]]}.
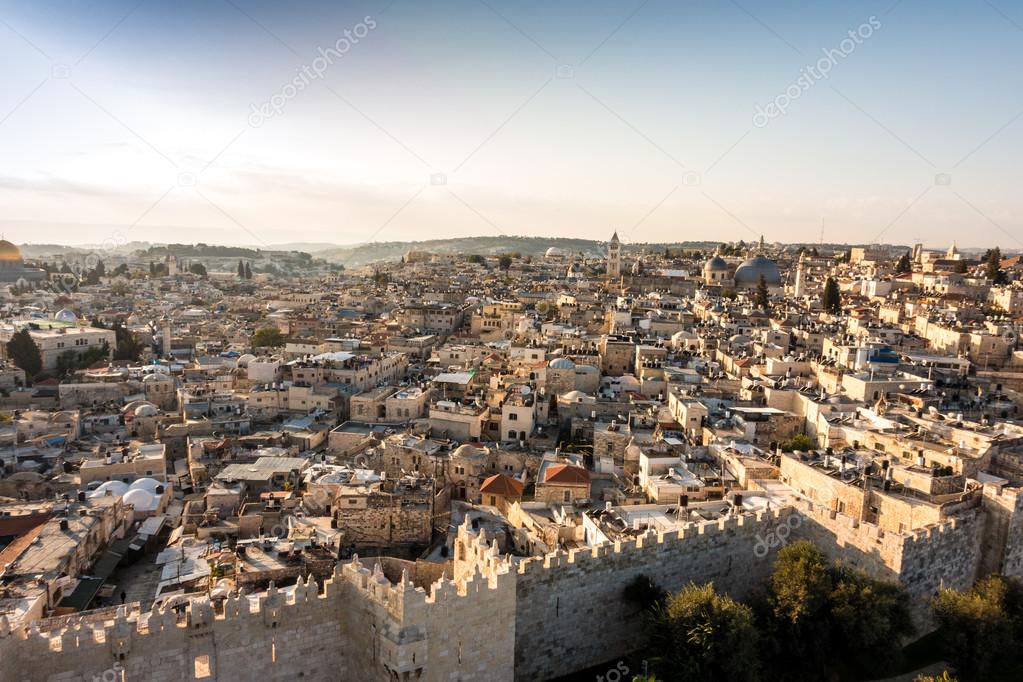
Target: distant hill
{"points": [[363, 254], [375, 252]]}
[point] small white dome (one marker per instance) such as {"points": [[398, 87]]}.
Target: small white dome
{"points": [[148, 484], [142, 500], [66, 315], [116, 488], [244, 360], [561, 363]]}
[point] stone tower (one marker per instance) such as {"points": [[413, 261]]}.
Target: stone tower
{"points": [[799, 287], [614, 257]]}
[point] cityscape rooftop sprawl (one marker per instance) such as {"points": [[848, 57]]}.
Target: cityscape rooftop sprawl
{"points": [[453, 466]]}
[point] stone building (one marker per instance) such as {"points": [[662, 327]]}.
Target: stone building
{"points": [[389, 514]]}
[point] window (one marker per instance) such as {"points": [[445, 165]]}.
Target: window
{"points": [[568, 496], [513, 417], [202, 667]]}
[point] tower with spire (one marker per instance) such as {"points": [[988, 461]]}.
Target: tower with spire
{"points": [[614, 257]]}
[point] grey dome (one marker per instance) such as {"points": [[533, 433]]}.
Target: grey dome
{"points": [[715, 264], [748, 274]]}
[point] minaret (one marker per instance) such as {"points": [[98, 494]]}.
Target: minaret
{"points": [[165, 333], [614, 257], [797, 289]]}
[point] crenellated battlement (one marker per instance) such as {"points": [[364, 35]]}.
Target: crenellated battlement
{"points": [[198, 613], [644, 547], [489, 572]]}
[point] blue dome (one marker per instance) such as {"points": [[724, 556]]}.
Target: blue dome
{"points": [[749, 273]]}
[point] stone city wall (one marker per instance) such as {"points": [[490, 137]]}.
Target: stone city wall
{"points": [[571, 610]]}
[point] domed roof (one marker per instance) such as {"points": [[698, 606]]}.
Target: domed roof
{"points": [[116, 488], [147, 410], [553, 251], [154, 377], [715, 264], [142, 500], [752, 268], [148, 484], [561, 363], [466, 451], [9, 251], [574, 396], [65, 315]]}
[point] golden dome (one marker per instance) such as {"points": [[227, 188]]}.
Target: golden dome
{"points": [[9, 252]]}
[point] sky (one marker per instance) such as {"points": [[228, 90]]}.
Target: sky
{"points": [[257, 123]]}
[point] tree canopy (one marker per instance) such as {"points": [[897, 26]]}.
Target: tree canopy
{"points": [[981, 629], [701, 635], [831, 298], [762, 298], [267, 337], [24, 353]]}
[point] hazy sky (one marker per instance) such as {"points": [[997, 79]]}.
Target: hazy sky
{"points": [[137, 120]]}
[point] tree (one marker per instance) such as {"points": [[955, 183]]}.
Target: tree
{"points": [[24, 352], [701, 635], [832, 299], [476, 258], [993, 266], [800, 442], [904, 266], [945, 676], [127, 344], [267, 337], [959, 267], [868, 615], [248, 270], [762, 299], [824, 616], [504, 262], [981, 627], [241, 269], [197, 269]]}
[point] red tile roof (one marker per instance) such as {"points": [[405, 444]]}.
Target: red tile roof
{"points": [[566, 474], [505, 486]]}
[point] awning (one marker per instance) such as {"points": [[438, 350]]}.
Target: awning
{"points": [[83, 594]]}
